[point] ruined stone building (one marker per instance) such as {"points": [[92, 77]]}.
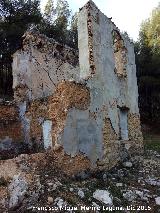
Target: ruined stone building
{"points": [[80, 103]]}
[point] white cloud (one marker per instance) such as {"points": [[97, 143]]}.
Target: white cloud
{"points": [[127, 14]]}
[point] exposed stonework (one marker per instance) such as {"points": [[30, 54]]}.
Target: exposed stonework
{"points": [[8, 111], [120, 54], [84, 108], [55, 108], [59, 159], [21, 93], [113, 87], [37, 112], [111, 146], [135, 133], [67, 95], [41, 64], [3, 198], [90, 43]]}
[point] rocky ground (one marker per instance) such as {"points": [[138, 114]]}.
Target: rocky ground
{"points": [[133, 186]]}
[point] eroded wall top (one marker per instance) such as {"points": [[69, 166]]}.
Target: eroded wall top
{"points": [[90, 108], [40, 64], [107, 58]]}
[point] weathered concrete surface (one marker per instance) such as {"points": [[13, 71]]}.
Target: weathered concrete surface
{"points": [[91, 105], [108, 66], [81, 134], [68, 95], [47, 134], [41, 65], [24, 121]]}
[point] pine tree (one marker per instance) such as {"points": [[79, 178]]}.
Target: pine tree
{"points": [[63, 14], [15, 18], [49, 11], [148, 65], [62, 9], [74, 31]]}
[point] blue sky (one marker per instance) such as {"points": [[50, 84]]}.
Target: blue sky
{"points": [[126, 14]]}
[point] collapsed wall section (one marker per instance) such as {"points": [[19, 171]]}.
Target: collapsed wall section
{"points": [[91, 109], [60, 117], [46, 88], [51, 126], [68, 95], [40, 65]]}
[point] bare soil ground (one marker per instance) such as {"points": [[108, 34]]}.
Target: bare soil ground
{"points": [[135, 188]]}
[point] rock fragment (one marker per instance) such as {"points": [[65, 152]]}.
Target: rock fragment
{"points": [[103, 196]]}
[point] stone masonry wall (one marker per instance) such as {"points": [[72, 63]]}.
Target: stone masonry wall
{"points": [[108, 66], [87, 108], [41, 64], [55, 108]]}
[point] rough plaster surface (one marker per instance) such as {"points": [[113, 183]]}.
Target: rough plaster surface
{"points": [[123, 122], [110, 75], [42, 64], [47, 136], [55, 108], [83, 100], [67, 95], [82, 135], [25, 121]]}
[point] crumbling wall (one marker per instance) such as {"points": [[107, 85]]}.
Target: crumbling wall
{"points": [[120, 54], [135, 134], [112, 83], [41, 64], [111, 146], [46, 76], [81, 134], [37, 113], [68, 95], [77, 109]]}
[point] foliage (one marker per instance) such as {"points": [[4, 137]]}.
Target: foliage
{"points": [[15, 17], [49, 11], [74, 30], [59, 24], [3, 182], [63, 14], [147, 51], [149, 44]]}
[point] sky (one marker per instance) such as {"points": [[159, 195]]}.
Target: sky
{"points": [[126, 14]]}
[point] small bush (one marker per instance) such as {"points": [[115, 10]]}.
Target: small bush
{"points": [[3, 182]]}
